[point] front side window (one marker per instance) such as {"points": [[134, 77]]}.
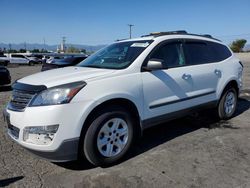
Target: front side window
{"points": [[171, 54], [116, 56]]}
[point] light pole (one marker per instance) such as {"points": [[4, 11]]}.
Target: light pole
{"points": [[130, 30]]}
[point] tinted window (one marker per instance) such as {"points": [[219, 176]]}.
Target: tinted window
{"points": [[171, 54], [18, 56], [221, 52], [198, 53]]}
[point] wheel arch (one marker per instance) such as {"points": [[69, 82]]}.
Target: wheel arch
{"points": [[123, 102], [230, 83]]}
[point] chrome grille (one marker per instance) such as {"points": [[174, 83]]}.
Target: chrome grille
{"points": [[20, 99]]}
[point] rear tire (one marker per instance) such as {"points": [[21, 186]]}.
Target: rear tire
{"points": [[109, 136], [31, 63], [227, 104]]}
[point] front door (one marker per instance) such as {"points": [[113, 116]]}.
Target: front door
{"points": [[166, 90]]}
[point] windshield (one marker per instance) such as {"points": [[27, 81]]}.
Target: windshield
{"points": [[116, 56]]}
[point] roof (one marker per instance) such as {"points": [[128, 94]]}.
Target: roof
{"points": [[170, 34]]}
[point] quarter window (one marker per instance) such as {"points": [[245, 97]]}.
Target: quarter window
{"points": [[221, 52]]}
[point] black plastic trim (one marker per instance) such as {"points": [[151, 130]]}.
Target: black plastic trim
{"points": [[180, 32], [180, 100], [67, 151], [241, 64], [147, 123], [28, 88]]}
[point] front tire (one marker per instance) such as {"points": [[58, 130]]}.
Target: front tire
{"points": [[109, 136], [227, 104]]}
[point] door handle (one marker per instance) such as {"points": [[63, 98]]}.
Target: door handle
{"points": [[186, 76], [217, 72]]}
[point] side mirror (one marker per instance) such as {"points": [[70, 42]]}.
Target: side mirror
{"points": [[154, 64]]}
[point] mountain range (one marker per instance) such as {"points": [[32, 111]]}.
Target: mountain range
{"points": [[31, 46]]}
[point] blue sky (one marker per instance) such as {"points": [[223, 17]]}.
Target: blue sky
{"points": [[103, 21]]}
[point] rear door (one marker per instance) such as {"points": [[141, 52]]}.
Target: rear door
{"points": [[204, 69]]}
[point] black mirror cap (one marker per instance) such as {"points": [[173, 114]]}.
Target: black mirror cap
{"points": [[154, 64]]}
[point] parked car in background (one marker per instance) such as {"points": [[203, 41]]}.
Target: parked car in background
{"points": [[52, 59], [4, 60], [21, 59], [64, 62], [45, 58], [4, 76], [34, 59]]}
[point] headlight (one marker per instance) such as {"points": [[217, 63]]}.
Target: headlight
{"points": [[40, 135], [57, 95]]}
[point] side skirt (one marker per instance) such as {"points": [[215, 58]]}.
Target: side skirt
{"points": [[147, 123]]}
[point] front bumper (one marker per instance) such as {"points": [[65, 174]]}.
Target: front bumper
{"points": [[64, 146], [67, 151]]}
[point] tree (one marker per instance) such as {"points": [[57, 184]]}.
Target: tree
{"points": [[44, 51], [83, 51], [22, 50], [72, 49], [35, 51], [12, 51], [238, 45]]}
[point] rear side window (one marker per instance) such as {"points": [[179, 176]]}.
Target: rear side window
{"points": [[198, 53], [221, 52], [17, 56], [171, 54]]}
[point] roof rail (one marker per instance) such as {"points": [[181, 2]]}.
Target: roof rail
{"points": [[181, 32], [117, 40], [166, 33]]}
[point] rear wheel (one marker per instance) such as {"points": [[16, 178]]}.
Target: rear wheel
{"points": [[227, 104], [31, 63], [109, 136]]}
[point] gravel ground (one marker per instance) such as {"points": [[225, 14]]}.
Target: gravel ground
{"points": [[189, 152]]}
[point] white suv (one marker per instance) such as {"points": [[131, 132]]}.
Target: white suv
{"points": [[98, 108]]}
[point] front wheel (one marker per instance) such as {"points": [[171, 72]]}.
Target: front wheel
{"points": [[109, 137], [227, 104]]}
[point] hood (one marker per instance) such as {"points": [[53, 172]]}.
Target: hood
{"points": [[65, 75]]}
